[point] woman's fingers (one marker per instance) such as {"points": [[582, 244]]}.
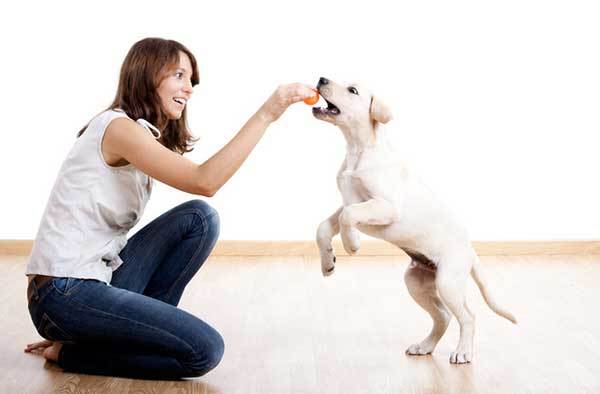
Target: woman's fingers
{"points": [[283, 97], [300, 92]]}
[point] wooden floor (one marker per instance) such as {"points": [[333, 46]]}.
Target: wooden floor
{"points": [[288, 330]]}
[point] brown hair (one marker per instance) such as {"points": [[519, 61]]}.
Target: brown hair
{"points": [[142, 71]]}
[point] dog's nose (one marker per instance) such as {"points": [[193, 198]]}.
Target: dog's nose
{"points": [[322, 81]]}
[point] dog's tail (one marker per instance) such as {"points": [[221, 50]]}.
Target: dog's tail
{"points": [[478, 277]]}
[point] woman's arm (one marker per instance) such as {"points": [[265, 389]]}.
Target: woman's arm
{"points": [[125, 139]]}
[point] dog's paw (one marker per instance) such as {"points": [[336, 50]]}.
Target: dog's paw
{"points": [[419, 350], [328, 271], [328, 262], [460, 357]]}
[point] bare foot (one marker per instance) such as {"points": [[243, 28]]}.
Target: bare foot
{"points": [[49, 349]]}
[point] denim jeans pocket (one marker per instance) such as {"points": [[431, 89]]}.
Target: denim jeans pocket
{"points": [[66, 286], [50, 330]]}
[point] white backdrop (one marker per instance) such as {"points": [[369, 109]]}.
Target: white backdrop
{"points": [[497, 104]]}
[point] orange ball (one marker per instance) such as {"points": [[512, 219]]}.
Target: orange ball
{"points": [[312, 100]]}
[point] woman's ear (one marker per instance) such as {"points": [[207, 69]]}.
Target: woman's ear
{"points": [[379, 111]]}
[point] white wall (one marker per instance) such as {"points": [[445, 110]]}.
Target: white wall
{"points": [[496, 103]]}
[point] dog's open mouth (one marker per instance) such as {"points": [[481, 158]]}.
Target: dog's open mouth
{"points": [[330, 110]]}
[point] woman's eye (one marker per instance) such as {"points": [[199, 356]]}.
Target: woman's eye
{"points": [[179, 75], [352, 90]]}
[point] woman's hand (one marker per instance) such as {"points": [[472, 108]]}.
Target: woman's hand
{"points": [[282, 98]]}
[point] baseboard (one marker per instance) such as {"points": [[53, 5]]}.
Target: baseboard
{"points": [[368, 248], [15, 247]]}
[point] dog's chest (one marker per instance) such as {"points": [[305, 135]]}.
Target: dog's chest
{"points": [[352, 187], [357, 180], [357, 186]]}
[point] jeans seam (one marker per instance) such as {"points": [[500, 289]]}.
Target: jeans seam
{"points": [[69, 291], [204, 219], [191, 348], [42, 328]]}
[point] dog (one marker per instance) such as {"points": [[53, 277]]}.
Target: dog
{"points": [[384, 199]]}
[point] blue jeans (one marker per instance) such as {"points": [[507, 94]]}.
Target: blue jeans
{"points": [[133, 328]]}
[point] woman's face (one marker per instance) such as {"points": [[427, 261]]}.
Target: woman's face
{"points": [[176, 87]]}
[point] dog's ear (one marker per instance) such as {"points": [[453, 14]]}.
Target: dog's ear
{"points": [[379, 111]]}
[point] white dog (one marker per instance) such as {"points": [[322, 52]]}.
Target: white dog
{"points": [[383, 199]]}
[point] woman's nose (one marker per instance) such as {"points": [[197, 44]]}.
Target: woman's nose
{"points": [[188, 88]]}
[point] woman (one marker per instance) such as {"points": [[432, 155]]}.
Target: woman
{"points": [[108, 305]]}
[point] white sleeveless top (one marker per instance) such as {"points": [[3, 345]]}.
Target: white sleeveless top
{"points": [[91, 208]]}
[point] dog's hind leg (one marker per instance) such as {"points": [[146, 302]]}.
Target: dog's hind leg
{"points": [[451, 280], [421, 286], [325, 233]]}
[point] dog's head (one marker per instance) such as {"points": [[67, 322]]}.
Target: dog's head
{"points": [[350, 106]]}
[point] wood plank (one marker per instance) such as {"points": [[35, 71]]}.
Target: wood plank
{"points": [[289, 330]]}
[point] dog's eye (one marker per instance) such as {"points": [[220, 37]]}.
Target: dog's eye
{"points": [[353, 90]]}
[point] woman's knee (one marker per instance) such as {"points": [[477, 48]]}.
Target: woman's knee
{"points": [[207, 356], [207, 216], [199, 206]]}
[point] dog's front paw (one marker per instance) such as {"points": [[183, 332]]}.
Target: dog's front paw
{"points": [[419, 349], [350, 240], [460, 357], [328, 262]]}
